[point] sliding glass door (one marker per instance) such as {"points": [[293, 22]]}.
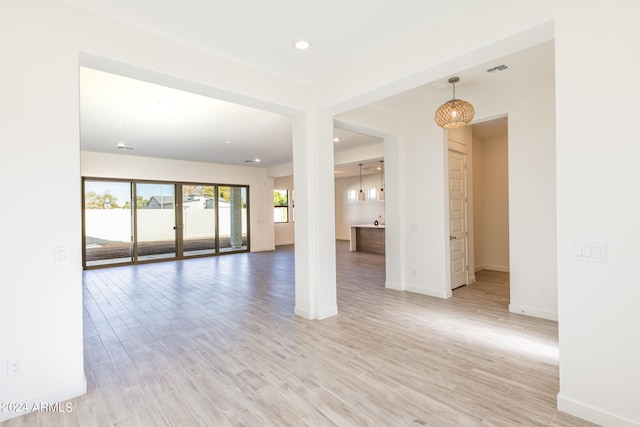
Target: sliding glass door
{"points": [[127, 221], [198, 219], [232, 208], [155, 221], [107, 226]]}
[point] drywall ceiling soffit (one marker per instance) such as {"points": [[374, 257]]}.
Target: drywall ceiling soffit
{"points": [[352, 140], [261, 34], [369, 167]]}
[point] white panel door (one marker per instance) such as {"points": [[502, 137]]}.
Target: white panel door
{"points": [[458, 218]]}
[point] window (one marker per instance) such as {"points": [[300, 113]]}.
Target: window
{"points": [[280, 206], [155, 221], [372, 194], [199, 219], [351, 194]]}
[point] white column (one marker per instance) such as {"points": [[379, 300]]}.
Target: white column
{"points": [[394, 225], [315, 250]]}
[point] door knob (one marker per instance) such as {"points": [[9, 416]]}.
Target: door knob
{"points": [[452, 238]]}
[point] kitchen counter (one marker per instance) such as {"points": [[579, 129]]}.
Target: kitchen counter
{"points": [[368, 238]]}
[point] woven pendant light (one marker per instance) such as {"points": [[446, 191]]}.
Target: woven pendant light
{"points": [[455, 113]]}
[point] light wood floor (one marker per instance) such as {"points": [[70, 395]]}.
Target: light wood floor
{"points": [[214, 342]]}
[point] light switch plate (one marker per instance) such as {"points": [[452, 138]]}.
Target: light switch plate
{"points": [[60, 254], [589, 251]]}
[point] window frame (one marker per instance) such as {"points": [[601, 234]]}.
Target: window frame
{"points": [[280, 207]]}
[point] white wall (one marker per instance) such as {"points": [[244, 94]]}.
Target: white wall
{"points": [[352, 212], [598, 179], [491, 203], [41, 303], [532, 194], [102, 165], [284, 232], [478, 206], [423, 160], [43, 44]]}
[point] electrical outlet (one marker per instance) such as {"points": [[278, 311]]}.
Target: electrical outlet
{"points": [[14, 367], [541, 292]]}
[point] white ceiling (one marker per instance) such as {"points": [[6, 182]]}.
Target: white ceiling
{"points": [[157, 121], [169, 123], [261, 33]]}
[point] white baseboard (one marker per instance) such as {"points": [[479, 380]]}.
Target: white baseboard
{"points": [[592, 414], [501, 268], [285, 243], [438, 293], [312, 315], [263, 249], [307, 314], [330, 312], [394, 286], [52, 396], [534, 312]]}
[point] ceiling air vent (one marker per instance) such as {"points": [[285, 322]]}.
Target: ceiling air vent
{"points": [[497, 69]]}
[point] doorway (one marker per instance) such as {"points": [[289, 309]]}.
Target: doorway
{"points": [[491, 196], [478, 200]]}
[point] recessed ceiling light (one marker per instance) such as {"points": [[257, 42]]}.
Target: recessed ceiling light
{"points": [[227, 142], [336, 139], [302, 44], [257, 160], [119, 125]]}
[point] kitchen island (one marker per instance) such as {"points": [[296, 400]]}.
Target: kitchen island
{"points": [[367, 238]]}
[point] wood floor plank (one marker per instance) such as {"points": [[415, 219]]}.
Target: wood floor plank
{"points": [[213, 341]]}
